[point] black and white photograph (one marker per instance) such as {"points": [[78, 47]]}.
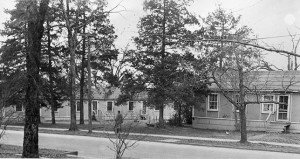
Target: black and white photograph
{"points": [[150, 79]]}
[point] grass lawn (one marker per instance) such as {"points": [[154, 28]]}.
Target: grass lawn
{"points": [[188, 131], [141, 127], [10, 151]]}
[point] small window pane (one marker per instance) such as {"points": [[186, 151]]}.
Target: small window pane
{"points": [[95, 106], [109, 106], [213, 101], [19, 108], [144, 108], [78, 106], [131, 105], [267, 107]]}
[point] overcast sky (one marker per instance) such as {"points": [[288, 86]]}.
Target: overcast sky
{"points": [[267, 18]]}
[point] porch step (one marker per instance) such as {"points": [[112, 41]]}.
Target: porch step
{"points": [[278, 127]]}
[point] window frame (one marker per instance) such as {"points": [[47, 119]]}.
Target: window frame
{"points": [[129, 105], [144, 111], [264, 104], [19, 110], [236, 98], [217, 101], [94, 101], [111, 106], [77, 105]]}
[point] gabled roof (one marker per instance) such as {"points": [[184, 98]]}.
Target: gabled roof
{"points": [[276, 81], [111, 94]]}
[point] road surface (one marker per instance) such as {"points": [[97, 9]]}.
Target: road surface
{"points": [[92, 147]]}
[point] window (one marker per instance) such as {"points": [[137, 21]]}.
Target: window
{"points": [[95, 107], [78, 106], [213, 102], [144, 109], [283, 109], [267, 105], [156, 107], [237, 101], [19, 108], [131, 106], [109, 106]]}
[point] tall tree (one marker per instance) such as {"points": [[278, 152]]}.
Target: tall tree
{"points": [[189, 88], [72, 30], [231, 63], [75, 25], [220, 25], [36, 12], [52, 59], [82, 73], [162, 34]]}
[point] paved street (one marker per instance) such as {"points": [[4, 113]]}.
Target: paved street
{"points": [[91, 147]]}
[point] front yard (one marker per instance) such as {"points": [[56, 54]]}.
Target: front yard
{"points": [[141, 127]]}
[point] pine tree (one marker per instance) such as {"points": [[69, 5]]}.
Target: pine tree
{"points": [[162, 37]]}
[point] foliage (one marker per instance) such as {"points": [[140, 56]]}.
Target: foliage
{"points": [[160, 45], [184, 117], [230, 62], [13, 58]]}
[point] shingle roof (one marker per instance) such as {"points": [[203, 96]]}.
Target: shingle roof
{"points": [[287, 81], [111, 94]]}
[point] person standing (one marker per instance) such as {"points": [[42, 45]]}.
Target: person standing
{"points": [[119, 121]]}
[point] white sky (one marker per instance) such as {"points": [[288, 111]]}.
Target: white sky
{"points": [[267, 18]]}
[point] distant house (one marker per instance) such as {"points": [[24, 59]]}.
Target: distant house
{"points": [[103, 105], [280, 88]]}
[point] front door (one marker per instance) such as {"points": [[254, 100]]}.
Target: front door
{"points": [[283, 108]]}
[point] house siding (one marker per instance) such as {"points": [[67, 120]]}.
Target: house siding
{"points": [[225, 108], [226, 124], [295, 108], [256, 120], [103, 114]]}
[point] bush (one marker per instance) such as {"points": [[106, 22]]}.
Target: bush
{"points": [[185, 117], [175, 120]]}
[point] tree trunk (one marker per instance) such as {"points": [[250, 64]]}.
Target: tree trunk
{"points": [[33, 55], [179, 114], [72, 47], [296, 63], [163, 47], [50, 74], [73, 125], [243, 120], [82, 77], [90, 88], [161, 120]]}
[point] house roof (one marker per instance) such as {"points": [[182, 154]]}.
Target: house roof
{"points": [[110, 94], [276, 81]]}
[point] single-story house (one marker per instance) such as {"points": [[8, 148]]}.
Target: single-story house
{"points": [[103, 105], [277, 109]]}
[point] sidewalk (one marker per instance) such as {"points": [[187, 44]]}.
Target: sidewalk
{"points": [[176, 137]]}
